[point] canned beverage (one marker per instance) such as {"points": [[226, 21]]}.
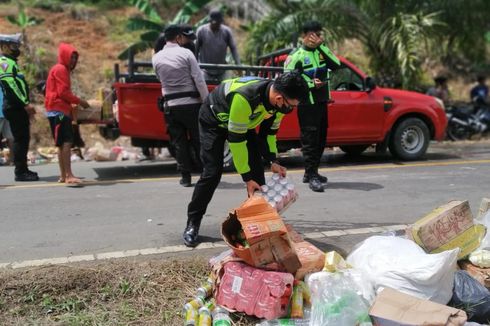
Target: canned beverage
{"points": [[205, 290], [191, 317], [270, 194], [272, 203], [284, 181], [265, 188], [297, 302], [285, 194], [279, 202], [270, 183], [205, 317], [306, 292], [195, 303], [278, 188], [275, 177], [221, 317]]}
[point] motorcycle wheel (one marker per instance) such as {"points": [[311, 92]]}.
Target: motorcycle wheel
{"points": [[457, 132]]}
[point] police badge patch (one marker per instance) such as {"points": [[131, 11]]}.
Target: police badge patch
{"points": [[307, 61], [5, 66]]}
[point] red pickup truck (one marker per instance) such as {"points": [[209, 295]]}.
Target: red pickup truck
{"points": [[361, 114]]}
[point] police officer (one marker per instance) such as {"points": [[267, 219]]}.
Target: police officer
{"points": [[17, 108], [183, 89], [231, 113], [313, 60]]}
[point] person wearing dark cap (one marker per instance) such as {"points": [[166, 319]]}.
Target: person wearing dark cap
{"points": [[314, 60], [188, 38], [213, 40], [17, 108], [183, 90]]}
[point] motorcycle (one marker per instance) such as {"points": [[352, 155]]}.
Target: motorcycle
{"points": [[467, 120]]}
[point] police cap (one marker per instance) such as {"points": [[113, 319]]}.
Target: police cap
{"points": [[11, 38], [172, 31]]}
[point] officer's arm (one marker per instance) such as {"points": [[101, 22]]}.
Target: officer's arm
{"points": [[332, 62], [238, 121], [198, 77], [13, 95], [268, 130]]}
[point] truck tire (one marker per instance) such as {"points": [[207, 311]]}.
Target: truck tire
{"points": [[353, 150], [410, 139]]}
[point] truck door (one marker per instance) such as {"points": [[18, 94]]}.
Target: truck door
{"points": [[356, 116]]}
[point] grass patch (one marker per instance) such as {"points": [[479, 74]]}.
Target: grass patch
{"points": [[119, 292]]}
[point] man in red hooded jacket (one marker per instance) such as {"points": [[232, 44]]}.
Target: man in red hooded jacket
{"points": [[59, 101]]}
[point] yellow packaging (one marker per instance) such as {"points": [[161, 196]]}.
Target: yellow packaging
{"points": [[306, 293], [447, 227], [334, 262]]}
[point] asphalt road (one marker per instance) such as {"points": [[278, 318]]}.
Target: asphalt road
{"points": [[129, 205]]}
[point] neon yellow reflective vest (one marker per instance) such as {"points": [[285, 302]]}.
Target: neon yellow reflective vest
{"points": [[13, 83]]}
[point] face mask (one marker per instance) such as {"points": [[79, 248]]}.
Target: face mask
{"points": [[285, 108], [15, 53]]}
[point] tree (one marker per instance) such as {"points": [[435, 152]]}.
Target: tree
{"points": [[153, 25], [397, 35]]}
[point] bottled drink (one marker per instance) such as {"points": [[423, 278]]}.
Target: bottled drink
{"points": [[221, 317], [195, 303], [285, 322], [205, 290], [205, 317], [191, 316], [297, 302]]}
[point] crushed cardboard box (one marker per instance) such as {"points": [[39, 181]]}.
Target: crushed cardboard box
{"points": [[312, 259], [265, 232], [394, 308], [447, 227]]}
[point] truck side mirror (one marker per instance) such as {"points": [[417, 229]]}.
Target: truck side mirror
{"points": [[370, 84]]}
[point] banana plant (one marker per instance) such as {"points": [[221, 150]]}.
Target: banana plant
{"points": [[152, 24]]}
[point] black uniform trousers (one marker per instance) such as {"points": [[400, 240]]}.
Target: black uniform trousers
{"points": [[313, 122], [19, 124], [212, 147], [183, 128]]}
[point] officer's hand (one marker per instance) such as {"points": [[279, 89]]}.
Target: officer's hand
{"points": [[84, 104], [318, 83], [252, 186], [276, 168], [314, 40], [31, 111]]}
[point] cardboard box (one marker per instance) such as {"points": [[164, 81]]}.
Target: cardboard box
{"points": [[312, 259], [264, 231], [447, 227], [482, 275], [393, 308]]}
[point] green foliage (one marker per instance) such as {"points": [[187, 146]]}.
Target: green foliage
{"points": [[147, 9], [397, 35], [189, 9], [22, 20]]}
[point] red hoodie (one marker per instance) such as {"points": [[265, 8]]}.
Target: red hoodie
{"points": [[58, 86]]}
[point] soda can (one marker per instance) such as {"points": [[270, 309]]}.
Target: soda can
{"points": [[191, 317], [265, 188], [285, 194], [283, 181], [297, 302], [270, 183], [270, 194], [205, 318], [205, 290], [279, 202], [278, 188], [275, 177]]}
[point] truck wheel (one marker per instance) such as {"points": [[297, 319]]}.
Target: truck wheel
{"points": [[410, 139], [353, 150], [228, 159]]}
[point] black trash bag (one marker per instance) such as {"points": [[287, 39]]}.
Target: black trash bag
{"points": [[471, 296]]}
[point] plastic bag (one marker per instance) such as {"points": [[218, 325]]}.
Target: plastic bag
{"points": [[335, 300], [472, 297], [404, 266], [481, 256]]}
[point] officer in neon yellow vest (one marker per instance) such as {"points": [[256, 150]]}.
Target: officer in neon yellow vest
{"points": [[313, 60], [17, 108], [232, 112]]}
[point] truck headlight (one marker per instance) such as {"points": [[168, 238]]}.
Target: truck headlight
{"points": [[441, 103]]}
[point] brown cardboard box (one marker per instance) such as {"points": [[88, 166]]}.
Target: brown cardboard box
{"points": [[265, 232], [394, 308], [482, 275], [447, 227], [312, 259]]}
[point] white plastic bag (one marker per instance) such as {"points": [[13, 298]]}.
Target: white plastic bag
{"points": [[402, 265], [481, 256], [335, 300]]}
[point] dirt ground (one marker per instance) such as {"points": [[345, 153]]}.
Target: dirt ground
{"points": [[115, 292]]}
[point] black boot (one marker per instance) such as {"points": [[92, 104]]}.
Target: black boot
{"points": [[323, 179], [315, 184], [185, 181], [191, 234], [27, 176]]}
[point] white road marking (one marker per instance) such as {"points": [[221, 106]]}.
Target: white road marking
{"points": [[182, 248]]}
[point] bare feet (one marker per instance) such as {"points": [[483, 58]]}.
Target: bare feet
{"points": [[73, 181]]}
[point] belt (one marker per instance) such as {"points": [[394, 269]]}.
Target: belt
{"points": [[173, 96]]}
